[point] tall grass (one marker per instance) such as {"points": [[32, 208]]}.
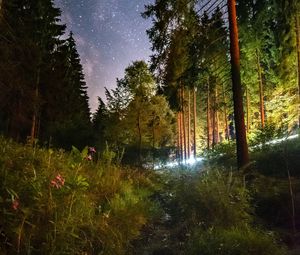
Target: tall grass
{"points": [[54, 202]]}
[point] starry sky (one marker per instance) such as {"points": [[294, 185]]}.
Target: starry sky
{"points": [[110, 35]]}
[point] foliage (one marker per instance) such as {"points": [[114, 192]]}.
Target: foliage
{"points": [[135, 118], [215, 198], [211, 212], [65, 204], [271, 197], [275, 159], [222, 154], [261, 136], [234, 241]]}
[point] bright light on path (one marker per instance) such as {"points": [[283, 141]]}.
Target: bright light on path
{"points": [[189, 162]]}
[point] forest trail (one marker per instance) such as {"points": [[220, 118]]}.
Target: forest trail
{"points": [[164, 235]]}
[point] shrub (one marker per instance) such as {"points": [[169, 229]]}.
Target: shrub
{"points": [[234, 241], [213, 198]]}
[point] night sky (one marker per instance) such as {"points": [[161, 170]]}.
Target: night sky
{"points": [[110, 34]]}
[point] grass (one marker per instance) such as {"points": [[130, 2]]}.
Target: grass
{"points": [[53, 202]]}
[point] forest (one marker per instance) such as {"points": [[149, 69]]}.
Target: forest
{"points": [[195, 152]]}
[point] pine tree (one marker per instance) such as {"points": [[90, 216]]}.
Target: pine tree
{"points": [[66, 110], [30, 36]]}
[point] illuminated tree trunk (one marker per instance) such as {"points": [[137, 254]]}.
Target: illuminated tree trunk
{"points": [[298, 60], [241, 140], [183, 125], [189, 125], [217, 127], [195, 121], [248, 109], [181, 135], [178, 136], [208, 116], [214, 121], [225, 115], [261, 92]]}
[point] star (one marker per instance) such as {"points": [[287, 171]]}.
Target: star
{"points": [[110, 35]]}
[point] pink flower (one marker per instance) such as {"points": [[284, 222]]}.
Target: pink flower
{"points": [[57, 182], [89, 157], [92, 150], [15, 204]]}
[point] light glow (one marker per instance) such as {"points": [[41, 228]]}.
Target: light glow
{"points": [[189, 162]]}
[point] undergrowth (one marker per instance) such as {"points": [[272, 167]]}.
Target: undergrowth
{"points": [[54, 202]]}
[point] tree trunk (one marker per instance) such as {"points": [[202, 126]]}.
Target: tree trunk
{"points": [[298, 61], [261, 92], [225, 115], [241, 140], [178, 137], [248, 110], [183, 124], [214, 136], [35, 110], [195, 121], [181, 136], [208, 116], [217, 139], [189, 125]]}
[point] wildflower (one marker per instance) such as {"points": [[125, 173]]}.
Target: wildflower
{"points": [[15, 204], [57, 182], [60, 179], [92, 150], [89, 157]]}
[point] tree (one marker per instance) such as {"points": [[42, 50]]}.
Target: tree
{"points": [[139, 121], [65, 110], [44, 93], [31, 32], [100, 125], [242, 147], [174, 26]]}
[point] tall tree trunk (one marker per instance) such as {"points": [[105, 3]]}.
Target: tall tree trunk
{"points": [[225, 115], [35, 110], [217, 127], [189, 125], [208, 116], [214, 136], [248, 109], [261, 91], [241, 140], [298, 61], [183, 124], [217, 139], [195, 121], [181, 136], [178, 137]]}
